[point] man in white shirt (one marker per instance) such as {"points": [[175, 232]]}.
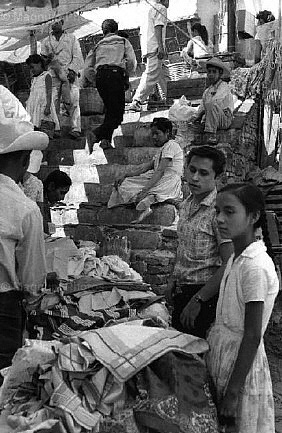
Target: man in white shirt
{"points": [[22, 251], [65, 49], [152, 41], [217, 103]]}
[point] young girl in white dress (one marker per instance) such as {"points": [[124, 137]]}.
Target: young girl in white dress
{"points": [[40, 104], [237, 361]]}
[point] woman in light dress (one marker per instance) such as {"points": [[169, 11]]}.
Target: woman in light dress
{"points": [[155, 181], [237, 361], [40, 104], [198, 46]]}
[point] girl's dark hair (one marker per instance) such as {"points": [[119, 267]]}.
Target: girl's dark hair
{"points": [[36, 58], [210, 152], [266, 16], [60, 179], [162, 124], [202, 30], [252, 199]]}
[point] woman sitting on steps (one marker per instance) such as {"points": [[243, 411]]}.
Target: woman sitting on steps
{"points": [[155, 181]]}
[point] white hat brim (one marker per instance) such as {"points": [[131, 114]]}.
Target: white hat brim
{"points": [[33, 140]]}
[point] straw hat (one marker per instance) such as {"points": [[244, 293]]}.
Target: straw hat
{"points": [[217, 63], [35, 160], [19, 135]]}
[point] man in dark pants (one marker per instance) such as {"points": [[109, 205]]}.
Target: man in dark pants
{"points": [[113, 59], [201, 253], [22, 249]]}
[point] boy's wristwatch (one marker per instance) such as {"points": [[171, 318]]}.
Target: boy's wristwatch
{"points": [[197, 298]]}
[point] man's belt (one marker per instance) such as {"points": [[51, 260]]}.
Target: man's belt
{"points": [[112, 68]]}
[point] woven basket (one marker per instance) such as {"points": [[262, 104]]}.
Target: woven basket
{"points": [[90, 101], [178, 71]]}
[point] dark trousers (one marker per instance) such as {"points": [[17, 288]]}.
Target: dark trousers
{"points": [[110, 82], [182, 296], [11, 326]]}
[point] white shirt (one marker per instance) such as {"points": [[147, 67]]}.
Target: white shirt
{"points": [[66, 50], [219, 93], [153, 16], [12, 106], [22, 250]]}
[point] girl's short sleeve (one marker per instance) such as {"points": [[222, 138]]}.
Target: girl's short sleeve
{"points": [[254, 283], [170, 149]]}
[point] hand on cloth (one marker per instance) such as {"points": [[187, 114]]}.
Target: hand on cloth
{"points": [[161, 54], [190, 314], [119, 181], [140, 196], [228, 411], [47, 111]]}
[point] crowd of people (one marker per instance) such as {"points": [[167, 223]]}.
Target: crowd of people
{"points": [[224, 282]]}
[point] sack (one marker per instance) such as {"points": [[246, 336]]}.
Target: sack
{"points": [[48, 126], [181, 110]]}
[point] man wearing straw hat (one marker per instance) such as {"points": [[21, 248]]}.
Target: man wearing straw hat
{"points": [[217, 106], [22, 252]]}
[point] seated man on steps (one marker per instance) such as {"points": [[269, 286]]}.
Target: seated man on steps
{"points": [[217, 104]]}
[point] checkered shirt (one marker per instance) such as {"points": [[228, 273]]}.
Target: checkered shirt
{"points": [[198, 241]]}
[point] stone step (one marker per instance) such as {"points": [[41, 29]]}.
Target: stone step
{"points": [[63, 143], [127, 155], [77, 173], [163, 214], [97, 193], [89, 122], [45, 170], [108, 173], [144, 237]]}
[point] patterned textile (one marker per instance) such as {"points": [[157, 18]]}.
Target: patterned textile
{"points": [[250, 277], [33, 188], [238, 82], [65, 319], [71, 315], [126, 350], [198, 241], [174, 396]]}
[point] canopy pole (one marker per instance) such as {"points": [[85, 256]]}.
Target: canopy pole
{"points": [[231, 11], [33, 42], [279, 20]]}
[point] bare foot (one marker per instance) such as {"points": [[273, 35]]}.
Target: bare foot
{"points": [[143, 215]]}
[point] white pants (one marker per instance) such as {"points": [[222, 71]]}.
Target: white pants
{"points": [[75, 119], [156, 72]]}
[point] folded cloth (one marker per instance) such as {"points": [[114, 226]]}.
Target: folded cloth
{"points": [[125, 353]]}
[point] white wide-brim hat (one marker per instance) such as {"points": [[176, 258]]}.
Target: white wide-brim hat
{"points": [[18, 135]]}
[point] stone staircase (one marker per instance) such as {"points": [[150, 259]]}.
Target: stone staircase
{"points": [[86, 217]]}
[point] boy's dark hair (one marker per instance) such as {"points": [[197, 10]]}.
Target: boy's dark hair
{"points": [[109, 26], [266, 16], [36, 58], [59, 178], [162, 123], [216, 155]]}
